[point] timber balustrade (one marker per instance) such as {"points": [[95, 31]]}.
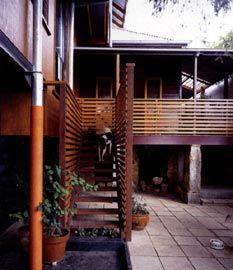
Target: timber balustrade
{"points": [[96, 112], [70, 128], [183, 117], [124, 148]]}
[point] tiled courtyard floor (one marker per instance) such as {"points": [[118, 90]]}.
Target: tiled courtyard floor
{"points": [[178, 236]]}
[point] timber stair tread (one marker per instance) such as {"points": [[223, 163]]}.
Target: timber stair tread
{"points": [[100, 208], [107, 189], [98, 179], [90, 198], [93, 224], [96, 211], [98, 170]]}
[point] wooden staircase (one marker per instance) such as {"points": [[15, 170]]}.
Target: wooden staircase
{"points": [[99, 208]]}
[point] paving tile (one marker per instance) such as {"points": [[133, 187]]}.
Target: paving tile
{"points": [[206, 264], [140, 239], [154, 218], [196, 212], [179, 232], [169, 251], [223, 232], [156, 229], [173, 263], [193, 224], [228, 263], [171, 220], [163, 240], [145, 263], [227, 252], [176, 209], [196, 251], [137, 235], [201, 232], [205, 240], [164, 213], [159, 208], [187, 241], [142, 249], [210, 223], [228, 241]]}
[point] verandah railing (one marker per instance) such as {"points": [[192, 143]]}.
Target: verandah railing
{"points": [[124, 148], [183, 117]]}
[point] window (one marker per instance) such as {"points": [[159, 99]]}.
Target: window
{"points": [[103, 88], [153, 88]]}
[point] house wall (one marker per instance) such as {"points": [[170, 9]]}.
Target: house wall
{"points": [[87, 68], [16, 22], [167, 69]]}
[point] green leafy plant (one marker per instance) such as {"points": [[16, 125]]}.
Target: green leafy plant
{"points": [[108, 232], [139, 207], [21, 216], [55, 195]]}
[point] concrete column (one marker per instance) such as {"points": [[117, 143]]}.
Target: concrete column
{"points": [[194, 187]]}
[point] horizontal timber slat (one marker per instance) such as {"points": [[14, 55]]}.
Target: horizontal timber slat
{"points": [[182, 117]]}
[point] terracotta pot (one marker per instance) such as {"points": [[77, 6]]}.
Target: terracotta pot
{"points": [[24, 237], [54, 247], [139, 221]]}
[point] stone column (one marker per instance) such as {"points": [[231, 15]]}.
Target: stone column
{"points": [[194, 187]]}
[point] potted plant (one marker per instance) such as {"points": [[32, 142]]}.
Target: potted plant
{"points": [[140, 214], [55, 236]]}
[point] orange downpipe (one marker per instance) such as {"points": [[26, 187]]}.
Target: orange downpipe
{"points": [[36, 187]]}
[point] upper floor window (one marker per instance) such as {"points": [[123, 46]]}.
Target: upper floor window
{"points": [[153, 88]]}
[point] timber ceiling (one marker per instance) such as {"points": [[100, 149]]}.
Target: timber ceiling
{"points": [[92, 20]]}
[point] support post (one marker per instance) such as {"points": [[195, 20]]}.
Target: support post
{"points": [[110, 23], [117, 72], [129, 148], [36, 144], [195, 76], [71, 46], [194, 178]]}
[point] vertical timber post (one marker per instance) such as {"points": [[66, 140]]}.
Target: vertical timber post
{"points": [[195, 90], [36, 144], [129, 148], [110, 23], [117, 72], [195, 77], [71, 46]]}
